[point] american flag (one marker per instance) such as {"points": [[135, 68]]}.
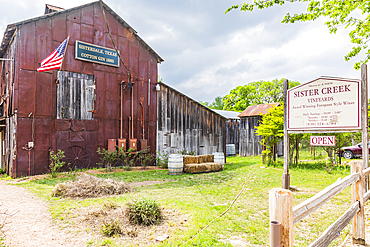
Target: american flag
{"points": [[55, 59]]}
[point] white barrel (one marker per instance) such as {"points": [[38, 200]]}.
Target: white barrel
{"points": [[230, 149], [175, 164], [219, 157]]}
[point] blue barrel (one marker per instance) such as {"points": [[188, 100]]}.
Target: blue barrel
{"points": [[175, 164]]}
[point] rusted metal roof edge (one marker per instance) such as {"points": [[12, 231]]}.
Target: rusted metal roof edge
{"points": [[5, 42], [177, 91], [257, 110]]}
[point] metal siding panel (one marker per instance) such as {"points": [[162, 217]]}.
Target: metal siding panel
{"points": [[62, 124], [113, 23], [75, 15], [134, 57], [70, 63], [43, 89], [112, 103], [62, 138], [101, 137], [59, 27], [87, 15], [87, 33], [27, 92], [100, 94], [152, 136], [124, 52], [43, 40], [27, 46], [42, 145], [110, 129], [109, 44], [99, 21], [23, 136], [74, 32], [91, 146]]}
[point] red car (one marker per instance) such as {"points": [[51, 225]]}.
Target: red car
{"points": [[352, 151]]}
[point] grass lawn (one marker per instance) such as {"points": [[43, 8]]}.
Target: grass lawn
{"points": [[205, 196]]}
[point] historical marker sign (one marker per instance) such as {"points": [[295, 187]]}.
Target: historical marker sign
{"points": [[96, 54], [326, 103]]}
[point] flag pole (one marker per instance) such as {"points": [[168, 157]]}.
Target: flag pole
{"points": [[65, 50]]}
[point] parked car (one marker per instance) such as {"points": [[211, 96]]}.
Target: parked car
{"points": [[351, 151]]}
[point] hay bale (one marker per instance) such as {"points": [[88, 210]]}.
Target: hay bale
{"points": [[190, 159], [213, 167], [195, 168], [90, 186], [205, 158]]}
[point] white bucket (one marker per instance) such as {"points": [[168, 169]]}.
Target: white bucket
{"points": [[175, 164], [219, 157]]}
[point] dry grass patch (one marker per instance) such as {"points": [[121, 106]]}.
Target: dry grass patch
{"points": [[94, 219], [87, 186]]}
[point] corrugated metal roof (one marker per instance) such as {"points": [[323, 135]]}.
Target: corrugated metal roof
{"points": [[228, 114], [11, 28], [257, 110]]}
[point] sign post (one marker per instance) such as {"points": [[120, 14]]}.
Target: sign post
{"points": [[286, 176], [364, 121]]}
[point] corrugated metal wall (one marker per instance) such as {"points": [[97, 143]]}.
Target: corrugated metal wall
{"points": [[184, 124], [36, 93], [249, 142]]}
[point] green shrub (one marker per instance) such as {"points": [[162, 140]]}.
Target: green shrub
{"points": [[146, 158], [144, 212], [162, 160], [111, 228], [55, 162], [108, 158]]}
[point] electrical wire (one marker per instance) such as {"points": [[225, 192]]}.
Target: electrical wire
{"points": [[114, 45]]}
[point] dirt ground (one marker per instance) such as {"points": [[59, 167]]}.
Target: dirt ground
{"points": [[29, 223]]}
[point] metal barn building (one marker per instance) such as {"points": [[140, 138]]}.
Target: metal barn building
{"points": [[88, 102]]}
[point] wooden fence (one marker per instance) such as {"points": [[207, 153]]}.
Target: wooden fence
{"points": [[282, 211]]}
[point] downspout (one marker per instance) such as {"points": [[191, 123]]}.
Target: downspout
{"points": [[121, 113], [142, 119], [132, 113]]}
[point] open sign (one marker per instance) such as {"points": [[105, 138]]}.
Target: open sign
{"points": [[322, 140]]}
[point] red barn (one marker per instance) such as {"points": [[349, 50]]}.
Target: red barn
{"points": [[86, 103]]}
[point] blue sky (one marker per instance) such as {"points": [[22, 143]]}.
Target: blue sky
{"points": [[207, 53]]}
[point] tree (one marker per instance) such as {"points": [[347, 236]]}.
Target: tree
{"points": [[254, 93], [217, 104], [353, 14], [272, 130]]}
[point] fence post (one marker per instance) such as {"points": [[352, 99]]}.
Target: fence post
{"points": [[281, 210], [358, 195]]}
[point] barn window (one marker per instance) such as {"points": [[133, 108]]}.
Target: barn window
{"points": [[75, 96]]}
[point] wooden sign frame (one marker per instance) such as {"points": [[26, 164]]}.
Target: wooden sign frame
{"points": [[363, 129]]}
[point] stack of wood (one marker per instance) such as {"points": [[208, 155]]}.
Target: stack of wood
{"points": [[200, 164]]}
